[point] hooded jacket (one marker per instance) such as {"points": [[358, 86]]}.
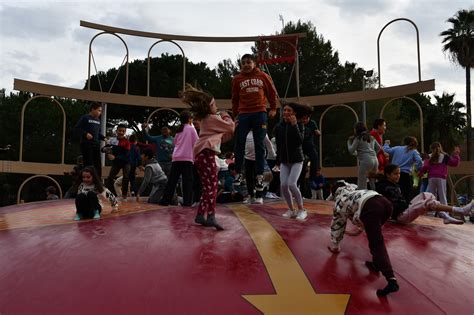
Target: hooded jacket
{"points": [[250, 92]]}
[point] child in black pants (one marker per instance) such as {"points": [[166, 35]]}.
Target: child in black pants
{"points": [[368, 210], [88, 205]]}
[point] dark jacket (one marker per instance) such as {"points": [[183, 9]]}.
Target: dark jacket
{"points": [[392, 192], [289, 140], [89, 124]]}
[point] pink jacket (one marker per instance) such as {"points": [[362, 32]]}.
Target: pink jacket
{"points": [[214, 130], [440, 169], [184, 142]]}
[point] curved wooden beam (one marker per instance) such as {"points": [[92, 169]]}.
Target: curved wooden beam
{"points": [[126, 31], [138, 100]]}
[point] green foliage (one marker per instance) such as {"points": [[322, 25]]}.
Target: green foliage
{"points": [[458, 43]]}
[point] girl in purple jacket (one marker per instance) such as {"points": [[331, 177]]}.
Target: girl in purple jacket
{"points": [[437, 168]]}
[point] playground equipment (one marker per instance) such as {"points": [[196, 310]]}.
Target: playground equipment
{"points": [[273, 49]]}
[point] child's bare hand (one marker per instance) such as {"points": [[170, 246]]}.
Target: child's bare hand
{"points": [[89, 136], [272, 113], [293, 120]]}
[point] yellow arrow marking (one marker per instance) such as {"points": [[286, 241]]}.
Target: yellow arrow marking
{"points": [[294, 293]]}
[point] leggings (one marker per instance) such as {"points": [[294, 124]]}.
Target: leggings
{"points": [[205, 162], [289, 173], [437, 186]]}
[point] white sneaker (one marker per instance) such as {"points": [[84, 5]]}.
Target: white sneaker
{"points": [[447, 219], [465, 210], [249, 200], [289, 214], [302, 215], [258, 201], [270, 195]]}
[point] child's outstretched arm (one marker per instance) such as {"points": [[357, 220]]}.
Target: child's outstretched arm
{"points": [[111, 197]]}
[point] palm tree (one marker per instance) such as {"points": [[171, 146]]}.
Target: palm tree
{"points": [[458, 42], [449, 121]]}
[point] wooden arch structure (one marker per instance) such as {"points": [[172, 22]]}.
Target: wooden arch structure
{"points": [[47, 90], [18, 200], [321, 136]]}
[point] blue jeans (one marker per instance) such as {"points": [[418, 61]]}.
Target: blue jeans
{"points": [[257, 122]]}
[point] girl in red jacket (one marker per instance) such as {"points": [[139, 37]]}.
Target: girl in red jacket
{"points": [[215, 129]]}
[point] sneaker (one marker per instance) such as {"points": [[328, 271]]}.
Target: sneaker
{"points": [[238, 179], [275, 196], [302, 215], [447, 219], [289, 214], [200, 219], [466, 210], [211, 221], [270, 195], [249, 200], [258, 201], [96, 215], [77, 217], [259, 183]]}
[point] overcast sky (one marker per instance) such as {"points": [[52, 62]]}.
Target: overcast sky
{"points": [[42, 40]]}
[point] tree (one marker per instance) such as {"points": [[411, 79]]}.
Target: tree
{"points": [[458, 42], [449, 121]]}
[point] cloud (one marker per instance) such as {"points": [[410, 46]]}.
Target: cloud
{"points": [[51, 78], [35, 22], [361, 8]]}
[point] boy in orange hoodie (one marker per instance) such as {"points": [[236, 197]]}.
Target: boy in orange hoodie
{"points": [[251, 89]]}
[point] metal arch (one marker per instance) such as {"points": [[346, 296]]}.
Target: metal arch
{"points": [[422, 141], [90, 55], [453, 198], [36, 176], [321, 128], [148, 64], [22, 122], [159, 110], [417, 46]]}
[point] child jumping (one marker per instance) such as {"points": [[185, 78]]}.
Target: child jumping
{"points": [[251, 89], [90, 187], [289, 142], [215, 129]]}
